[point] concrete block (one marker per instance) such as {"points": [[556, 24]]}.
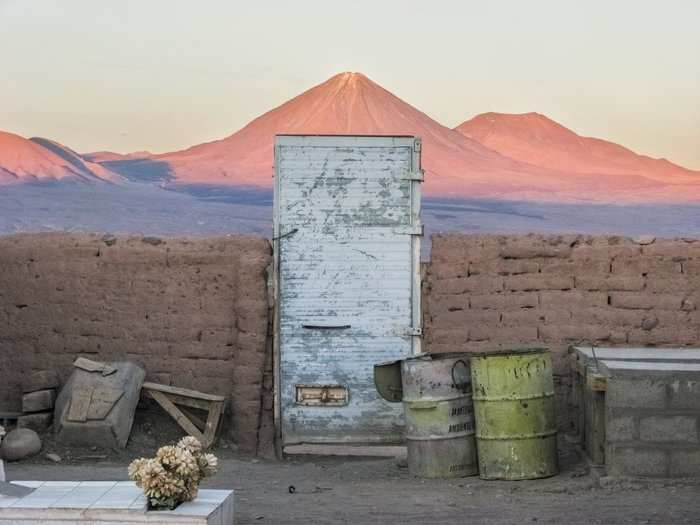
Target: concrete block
{"points": [[685, 463], [624, 460], [620, 428], [685, 394], [40, 380], [633, 392], [39, 422], [664, 429], [38, 401]]}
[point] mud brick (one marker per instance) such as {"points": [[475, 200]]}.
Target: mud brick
{"points": [[663, 336], [514, 334], [505, 300], [531, 246], [449, 303], [450, 336], [646, 265], [692, 266], [522, 316], [38, 401], [572, 300], [673, 248], [588, 333], [606, 249], [465, 318], [40, 380], [39, 422], [448, 270], [575, 267], [645, 301], [538, 282], [504, 267], [625, 282]]}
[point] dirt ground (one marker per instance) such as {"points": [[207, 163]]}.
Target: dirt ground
{"points": [[333, 490]]}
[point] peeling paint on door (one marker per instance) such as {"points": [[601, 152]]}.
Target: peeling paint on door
{"points": [[347, 281]]}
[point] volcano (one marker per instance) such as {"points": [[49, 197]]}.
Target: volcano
{"points": [[42, 160], [458, 163], [350, 103]]}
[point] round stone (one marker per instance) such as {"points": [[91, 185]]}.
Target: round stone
{"points": [[19, 444]]}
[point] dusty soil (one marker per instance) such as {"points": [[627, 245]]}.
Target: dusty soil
{"points": [[331, 490]]}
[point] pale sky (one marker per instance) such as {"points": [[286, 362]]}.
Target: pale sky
{"points": [[127, 75]]}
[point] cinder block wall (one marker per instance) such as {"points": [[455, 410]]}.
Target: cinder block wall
{"points": [[192, 311], [483, 292], [653, 426]]}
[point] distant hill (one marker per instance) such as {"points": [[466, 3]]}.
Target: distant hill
{"points": [[42, 160], [540, 141]]}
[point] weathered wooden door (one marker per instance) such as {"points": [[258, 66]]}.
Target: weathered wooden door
{"points": [[347, 255]]}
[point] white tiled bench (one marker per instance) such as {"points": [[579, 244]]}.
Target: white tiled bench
{"points": [[108, 503]]}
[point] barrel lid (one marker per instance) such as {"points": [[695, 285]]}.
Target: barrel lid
{"points": [[438, 356], [387, 380], [509, 351]]}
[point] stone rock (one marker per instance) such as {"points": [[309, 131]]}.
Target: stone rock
{"points": [[38, 401], [89, 413], [39, 422], [41, 380], [19, 444], [54, 457], [109, 239], [153, 241], [649, 323], [644, 239]]}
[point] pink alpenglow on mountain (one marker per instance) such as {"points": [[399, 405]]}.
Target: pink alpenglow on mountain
{"points": [[349, 103], [538, 140], [535, 160], [35, 160], [110, 156]]}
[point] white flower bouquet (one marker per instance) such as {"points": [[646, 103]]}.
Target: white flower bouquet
{"points": [[173, 476]]}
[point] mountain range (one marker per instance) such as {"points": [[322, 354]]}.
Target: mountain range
{"points": [[493, 155]]}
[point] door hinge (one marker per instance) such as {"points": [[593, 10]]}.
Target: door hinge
{"points": [[417, 145], [409, 331], [414, 229], [418, 176]]}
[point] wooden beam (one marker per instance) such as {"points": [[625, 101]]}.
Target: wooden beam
{"points": [[212, 423], [182, 392], [177, 415]]}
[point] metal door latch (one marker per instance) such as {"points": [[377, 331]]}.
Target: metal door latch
{"points": [[321, 395]]}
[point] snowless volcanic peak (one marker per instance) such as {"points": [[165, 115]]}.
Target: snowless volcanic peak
{"points": [[23, 160], [347, 103], [538, 140]]}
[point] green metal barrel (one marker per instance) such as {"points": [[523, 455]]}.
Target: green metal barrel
{"points": [[439, 416], [516, 428]]}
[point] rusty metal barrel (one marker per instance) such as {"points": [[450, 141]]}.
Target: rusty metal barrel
{"points": [[437, 400], [516, 428]]}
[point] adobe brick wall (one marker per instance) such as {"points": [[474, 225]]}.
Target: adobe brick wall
{"points": [[487, 291], [193, 311]]}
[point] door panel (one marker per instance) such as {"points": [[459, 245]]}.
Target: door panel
{"points": [[345, 286]]}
